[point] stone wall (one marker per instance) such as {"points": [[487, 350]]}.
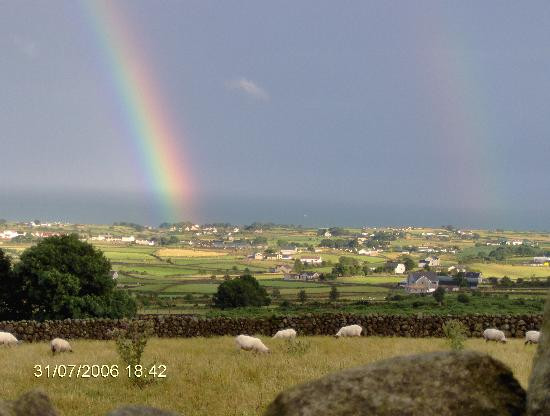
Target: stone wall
{"points": [[310, 324]]}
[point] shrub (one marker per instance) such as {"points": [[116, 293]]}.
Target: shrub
{"points": [[455, 332], [463, 298], [131, 342], [334, 294], [439, 295]]}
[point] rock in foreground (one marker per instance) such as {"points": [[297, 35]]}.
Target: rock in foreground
{"points": [[441, 383]]}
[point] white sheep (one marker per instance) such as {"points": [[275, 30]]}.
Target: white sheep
{"points": [[247, 343], [288, 333], [492, 334], [349, 331], [60, 345], [7, 339], [532, 337]]}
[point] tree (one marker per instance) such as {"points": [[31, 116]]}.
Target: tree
{"points": [[439, 294], [9, 294], [63, 277], [302, 296], [242, 291], [408, 262], [276, 293], [334, 294], [298, 266]]}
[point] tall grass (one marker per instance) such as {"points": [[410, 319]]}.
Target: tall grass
{"points": [[208, 376]]}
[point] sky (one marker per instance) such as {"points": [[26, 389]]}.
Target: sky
{"points": [[314, 112]]}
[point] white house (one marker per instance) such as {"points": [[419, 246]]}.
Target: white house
{"points": [[258, 256], [130, 239], [311, 260], [145, 242]]}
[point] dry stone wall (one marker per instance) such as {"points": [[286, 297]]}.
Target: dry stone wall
{"points": [[168, 326]]}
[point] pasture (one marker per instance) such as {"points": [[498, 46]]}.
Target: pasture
{"points": [[209, 376]]}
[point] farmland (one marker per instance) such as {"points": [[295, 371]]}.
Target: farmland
{"points": [[210, 377], [182, 269]]}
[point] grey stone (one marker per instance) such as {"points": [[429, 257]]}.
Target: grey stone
{"points": [[538, 393], [441, 383], [33, 403], [140, 411]]}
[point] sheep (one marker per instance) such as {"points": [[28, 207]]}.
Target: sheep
{"points": [[288, 333], [247, 343], [492, 334], [8, 339], [60, 345], [349, 331], [532, 337]]}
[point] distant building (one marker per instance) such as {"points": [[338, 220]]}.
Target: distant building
{"points": [[311, 260], [289, 251], [258, 256], [306, 276], [397, 268], [273, 256], [421, 282]]}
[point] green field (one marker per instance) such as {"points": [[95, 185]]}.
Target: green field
{"points": [[209, 376]]}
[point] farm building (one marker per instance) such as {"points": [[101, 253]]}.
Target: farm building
{"points": [[311, 259], [307, 276], [421, 282]]}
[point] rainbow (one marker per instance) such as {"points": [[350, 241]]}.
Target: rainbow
{"points": [[153, 134]]}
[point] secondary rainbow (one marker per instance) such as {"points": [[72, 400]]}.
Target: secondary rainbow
{"points": [[155, 137]]}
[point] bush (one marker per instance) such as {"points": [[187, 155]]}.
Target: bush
{"points": [[439, 295], [131, 342], [455, 332], [463, 298], [240, 292]]}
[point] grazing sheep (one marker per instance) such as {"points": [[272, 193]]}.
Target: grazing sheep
{"points": [[7, 339], [288, 333], [60, 345], [492, 334], [244, 342], [532, 337], [349, 331]]}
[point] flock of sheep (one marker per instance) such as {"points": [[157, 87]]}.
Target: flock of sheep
{"points": [[56, 344], [248, 343]]}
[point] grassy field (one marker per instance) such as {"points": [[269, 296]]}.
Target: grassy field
{"points": [[210, 377], [511, 270]]}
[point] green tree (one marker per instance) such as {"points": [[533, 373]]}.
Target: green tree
{"points": [[10, 293], [334, 294], [242, 291], [408, 262], [63, 277], [298, 266], [302, 296], [276, 293], [439, 294]]}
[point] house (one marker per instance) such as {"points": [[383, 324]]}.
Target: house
{"points": [[397, 268], [145, 242], [130, 239], [282, 268], [448, 283], [456, 269], [286, 257], [430, 261], [311, 260], [368, 252], [307, 276], [273, 256], [327, 234], [288, 251], [258, 256], [421, 282], [473, 278], [218, 244]]}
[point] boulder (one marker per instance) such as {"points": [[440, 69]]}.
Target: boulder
{"points": [[139, 411], [440, 383], [32, 403], [538, 401]]}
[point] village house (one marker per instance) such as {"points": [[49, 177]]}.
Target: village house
{"points": [[368, 252], [273, 256], [145, 242], [129, 239], [421, 282], [258, 256], [431, 261], [327, 234], [306, 276], [282, 268], [289, 251], [456, 269], [396, 268], [311, 260]]}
